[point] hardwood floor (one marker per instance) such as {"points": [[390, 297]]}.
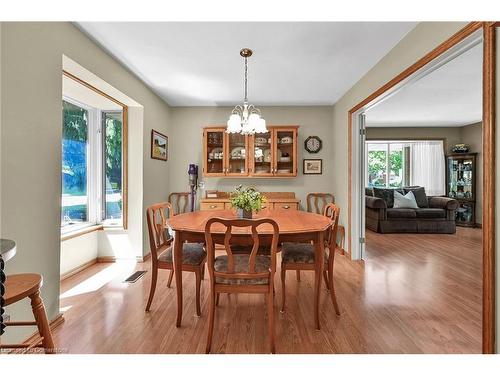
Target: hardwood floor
{"points": [[417, 293]]}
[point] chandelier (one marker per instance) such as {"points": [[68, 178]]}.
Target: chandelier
{"points": [[246, 118]]}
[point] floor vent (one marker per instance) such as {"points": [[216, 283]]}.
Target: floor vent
{"points": [[134, 277]]}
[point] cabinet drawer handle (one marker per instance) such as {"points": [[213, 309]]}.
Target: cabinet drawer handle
{"points": [[286, 206], [213, 206]]}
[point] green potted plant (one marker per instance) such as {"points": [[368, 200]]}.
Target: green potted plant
{"points": [[246, 200]]}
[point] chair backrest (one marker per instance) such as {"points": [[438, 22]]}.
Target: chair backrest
{"points": [[316, 202], [159, 238], [227, 225], [180, 201], [333, 212]]}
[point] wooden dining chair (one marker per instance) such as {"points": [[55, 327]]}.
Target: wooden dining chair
{"points": [[19, 287], [180, 201], [160, 243], [316, 203], [240, 273], [301, 256]]}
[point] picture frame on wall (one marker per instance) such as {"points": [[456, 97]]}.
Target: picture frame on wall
{"points": [[159, 146], [312, 166]]}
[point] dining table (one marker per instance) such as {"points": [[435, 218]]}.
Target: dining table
{"points": [[294, 226]]}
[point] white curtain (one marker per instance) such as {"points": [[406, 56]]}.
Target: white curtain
{"points": [[427, 166]]}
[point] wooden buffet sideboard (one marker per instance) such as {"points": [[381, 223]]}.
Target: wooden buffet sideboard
{"points": [[275, 200]]}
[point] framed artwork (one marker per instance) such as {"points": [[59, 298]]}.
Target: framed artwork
{"points": [[159, 146], [313, 166]]}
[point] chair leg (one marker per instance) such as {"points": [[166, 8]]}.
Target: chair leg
{"points": [[270, 318], [283, 277], [154, 277], [170, 276], [198, 287], [42, 322], [217, 299], [332, 289], [325, 277], [211, 316], [298, 274], [203, 271]]}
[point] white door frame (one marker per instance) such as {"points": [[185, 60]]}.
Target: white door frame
{"points": [[358, 132]]}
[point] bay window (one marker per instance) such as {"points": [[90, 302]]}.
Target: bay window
{"points": [[92, 166]]}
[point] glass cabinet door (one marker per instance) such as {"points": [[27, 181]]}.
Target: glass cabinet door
{"points": [[460, 182], [286, 143], [237, 157], [262, 149], [214, 152]]}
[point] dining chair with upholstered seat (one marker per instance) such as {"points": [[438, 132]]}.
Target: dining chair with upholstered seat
{"points": [[301, 256], [160, 243], [316, 203], [241, 272], [180, 201]]}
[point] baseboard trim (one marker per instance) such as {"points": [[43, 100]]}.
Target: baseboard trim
{"points": [[113, 259], [57, 321], [78, 269]]}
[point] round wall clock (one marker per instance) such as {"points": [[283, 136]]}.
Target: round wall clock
{"points": [[313, 144]]}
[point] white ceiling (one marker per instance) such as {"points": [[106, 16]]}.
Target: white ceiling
{"points": [[449, 96], [294, 63]]}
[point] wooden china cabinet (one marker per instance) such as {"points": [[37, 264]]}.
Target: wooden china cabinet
{"points": [[272, 154]]}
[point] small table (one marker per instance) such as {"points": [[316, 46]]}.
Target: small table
{"points": [[294, 226], [7, 251]]}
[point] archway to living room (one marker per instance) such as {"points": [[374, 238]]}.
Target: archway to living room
{"points": [[417, 196]]}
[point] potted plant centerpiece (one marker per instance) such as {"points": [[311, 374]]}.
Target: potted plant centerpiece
{"points": [[246, 200]]}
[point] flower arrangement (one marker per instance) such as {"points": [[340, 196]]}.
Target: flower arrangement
{"points": [[247, 200]]}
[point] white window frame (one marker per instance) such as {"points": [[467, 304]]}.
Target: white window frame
{"points": [[95, 171], [387, 155]]}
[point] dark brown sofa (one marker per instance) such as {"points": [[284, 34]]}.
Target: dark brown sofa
{"points": [[437, 217]]}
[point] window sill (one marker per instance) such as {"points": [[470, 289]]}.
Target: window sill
{"points": [[80, 232]]}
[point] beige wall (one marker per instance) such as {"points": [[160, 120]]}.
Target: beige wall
{"points": [[186, 147], [471, 134], [451, 135], [31, 64]]}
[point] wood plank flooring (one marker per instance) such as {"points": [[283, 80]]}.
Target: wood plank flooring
{"points": [[414, 294]]}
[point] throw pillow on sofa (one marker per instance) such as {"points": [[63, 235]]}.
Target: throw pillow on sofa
{"points": [[386, 194], [420, 195], [404, 201]]}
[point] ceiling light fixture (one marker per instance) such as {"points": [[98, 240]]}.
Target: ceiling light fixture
{"points": [[246, 118]]}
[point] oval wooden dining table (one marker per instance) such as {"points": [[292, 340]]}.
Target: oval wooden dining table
{"points": [[294, 226]]}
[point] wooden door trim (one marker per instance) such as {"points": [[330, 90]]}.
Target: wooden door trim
{"points": [[488, 225]]}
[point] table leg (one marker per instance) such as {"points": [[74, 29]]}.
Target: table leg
{"points": [[318, 271], [178, 275]]}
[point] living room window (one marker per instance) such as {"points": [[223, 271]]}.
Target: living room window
{"points": [[392, 164], [92, 166]]}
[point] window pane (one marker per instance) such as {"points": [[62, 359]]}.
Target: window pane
{"points": [[74, 165], [396, 165], [112, 126], [377, 164]]}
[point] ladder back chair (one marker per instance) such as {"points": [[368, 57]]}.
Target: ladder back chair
{"points": [[180, 201], [301, 256], [240, 272], [160, 243]]}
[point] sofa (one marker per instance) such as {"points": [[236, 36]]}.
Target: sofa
{"points": [[433, 215]]}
